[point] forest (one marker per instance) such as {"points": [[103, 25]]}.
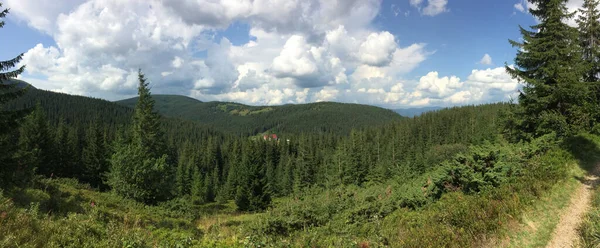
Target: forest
{"points": [[171, 171]]}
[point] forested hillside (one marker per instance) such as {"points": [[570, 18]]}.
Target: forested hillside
{"points": [[72, 109], [325, 117]]}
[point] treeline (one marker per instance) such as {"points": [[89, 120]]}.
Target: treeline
{"points": [[205, 166]]}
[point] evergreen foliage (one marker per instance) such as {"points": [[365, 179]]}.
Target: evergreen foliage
{"points": [[589, 38], [139, 168], [550, 64], [9, 118], [35, 144], [94, 156]]}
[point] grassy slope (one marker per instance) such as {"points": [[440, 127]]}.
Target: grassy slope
{"points": [[534, 228], [234, 117], [590, 228]]}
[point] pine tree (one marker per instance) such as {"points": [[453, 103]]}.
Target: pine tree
{"points": [[184, 173], [35, 144], [253, 193], [589, 38], [9, 119], [94, 156], [139, 170], [229, 189], [550, 65], [65, 154], [146, 130], [197, 190]]}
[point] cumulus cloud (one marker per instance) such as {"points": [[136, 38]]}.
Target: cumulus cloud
{"points": [[300, 51], [41, 14], [433, 7], [486, 60], [481, 86], [378, 49], [433, 85], [282, 16]]}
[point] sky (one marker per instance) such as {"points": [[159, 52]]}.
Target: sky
{"points": [[394, 54]]}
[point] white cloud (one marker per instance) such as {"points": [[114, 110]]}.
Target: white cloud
{"points": [[435, 7], [431, 84], [378, 49], [519, 7], [326, 94], [416, 3], [177, 62], [300, 51], [296, 59], [41, 14], [486, 60]]}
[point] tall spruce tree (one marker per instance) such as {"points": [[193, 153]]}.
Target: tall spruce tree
{"points": [[549, 63], [139, 169], [589, 40], [94, 156], [9, 119], [35, 144], [253, 193]]}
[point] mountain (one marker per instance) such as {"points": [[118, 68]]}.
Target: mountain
{"points": [[20, 83], [71, 108], [79, 111], [412, 112], [332, 117]]}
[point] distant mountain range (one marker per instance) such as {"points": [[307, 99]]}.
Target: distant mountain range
{"points": [[226, 116], [290, 118], [412, 112]]}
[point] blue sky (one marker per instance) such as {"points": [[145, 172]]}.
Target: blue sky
{"points": [[401, 53]]}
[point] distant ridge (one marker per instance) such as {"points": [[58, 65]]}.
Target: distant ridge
{"points": [[339, 118], [412, 112]]}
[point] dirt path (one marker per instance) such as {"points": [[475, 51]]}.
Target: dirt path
{"points": [[565, 234]]}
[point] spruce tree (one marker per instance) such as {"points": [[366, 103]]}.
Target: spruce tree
{"points": [[35, 144], [197, 190], [9, 119], [253, 192], [139, 169], [549, 63], [146, 130], [589, 38], [94, 156]]}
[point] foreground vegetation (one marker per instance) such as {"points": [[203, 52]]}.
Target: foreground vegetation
{"points": [[590, 229], [461, 202]]}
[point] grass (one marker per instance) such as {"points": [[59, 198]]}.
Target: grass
{"points": [[535, 226], [590, 228]]}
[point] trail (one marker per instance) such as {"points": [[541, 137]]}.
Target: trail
{"points": [[565, 234]]}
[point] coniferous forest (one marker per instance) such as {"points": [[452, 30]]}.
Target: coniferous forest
{"points": [[171, 171]]}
